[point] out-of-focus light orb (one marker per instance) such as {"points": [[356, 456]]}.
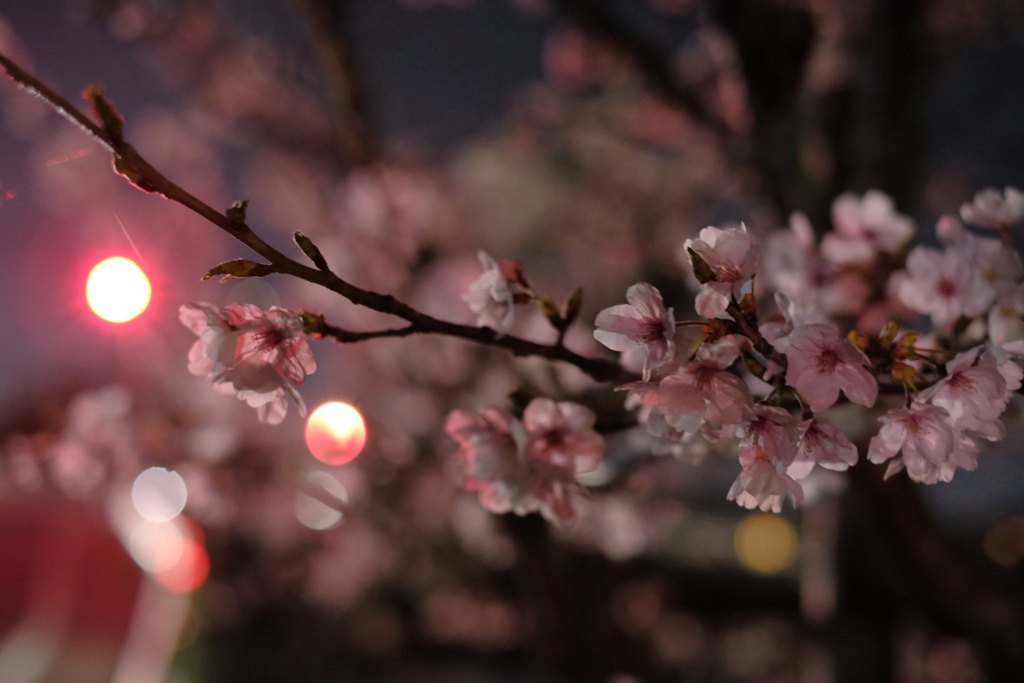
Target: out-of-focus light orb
{"points": [[156, 546], [335, 433], [312, 512], [159, 495], [765, 543], [1004, 543], [189, 571], [117, 290]]}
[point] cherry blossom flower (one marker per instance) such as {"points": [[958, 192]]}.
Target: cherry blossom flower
{"points": [[1011, 372], [275, 339], [820, 364], [254, 354], [776, 331], [788, 261], [998, 265], [863, 227], [526, 466], [944, 285], [923, 434], [703, 388], [994, 210], [1006, 318], [644, 324], [262, 388], [823, 444], [973, 393], [218, 332], [730, 255], [562, 434], [964, 456], [491, 297], [762, 483], [490, 445], [766, 430], [645, 394]]}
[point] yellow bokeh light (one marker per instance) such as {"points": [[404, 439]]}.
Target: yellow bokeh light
{"points": [[335, 433], [1004, 543], [117, 290], [765, 543]]}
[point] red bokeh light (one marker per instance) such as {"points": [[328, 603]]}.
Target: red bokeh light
{"points": [[189, 572], [335, 433]]}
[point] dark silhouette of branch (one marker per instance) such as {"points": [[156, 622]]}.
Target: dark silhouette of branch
{"points": [[345, 88], [594, 16], [129, 163]]}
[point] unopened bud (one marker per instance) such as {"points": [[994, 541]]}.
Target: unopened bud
{"points": [[888, 333], [903, 373], [858, 339], [756, 367], [236, 212], [311, 250], [748, 304], [313, 323], [715, 329], [701, 270], [905, 347], [113, 124], [551, 311], [572, 306], [240, 268]]}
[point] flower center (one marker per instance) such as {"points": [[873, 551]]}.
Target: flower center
{"points": [[554, 438], [828, 359], [914, 424], [702, 375], [652, 330], [958, 381], [946, 288], [270, 338], [728, 274]]}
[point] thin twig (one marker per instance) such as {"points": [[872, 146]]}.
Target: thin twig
{"points": [[63, 107], [140, 173], [751, 332]]}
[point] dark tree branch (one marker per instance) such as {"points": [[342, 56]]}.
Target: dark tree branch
{"points": [[761, 345], [594, 16], [61, 105], [345, 88], [129, 163]]}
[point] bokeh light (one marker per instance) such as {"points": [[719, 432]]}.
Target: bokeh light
{"points": [[156, 546], [1004, 542], [189, 571], [315, 514], [159, 495], [335, 433], [765, 543], [117, 290]]}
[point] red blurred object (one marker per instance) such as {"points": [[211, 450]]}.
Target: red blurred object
{"points": [[67, 583]]}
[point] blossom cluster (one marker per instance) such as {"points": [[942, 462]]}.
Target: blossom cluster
{"points": [[261, 356], [796, 360], [531, 464]]}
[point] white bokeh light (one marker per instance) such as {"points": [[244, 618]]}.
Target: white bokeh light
{"points": [[314, 514], [159, 495]]}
